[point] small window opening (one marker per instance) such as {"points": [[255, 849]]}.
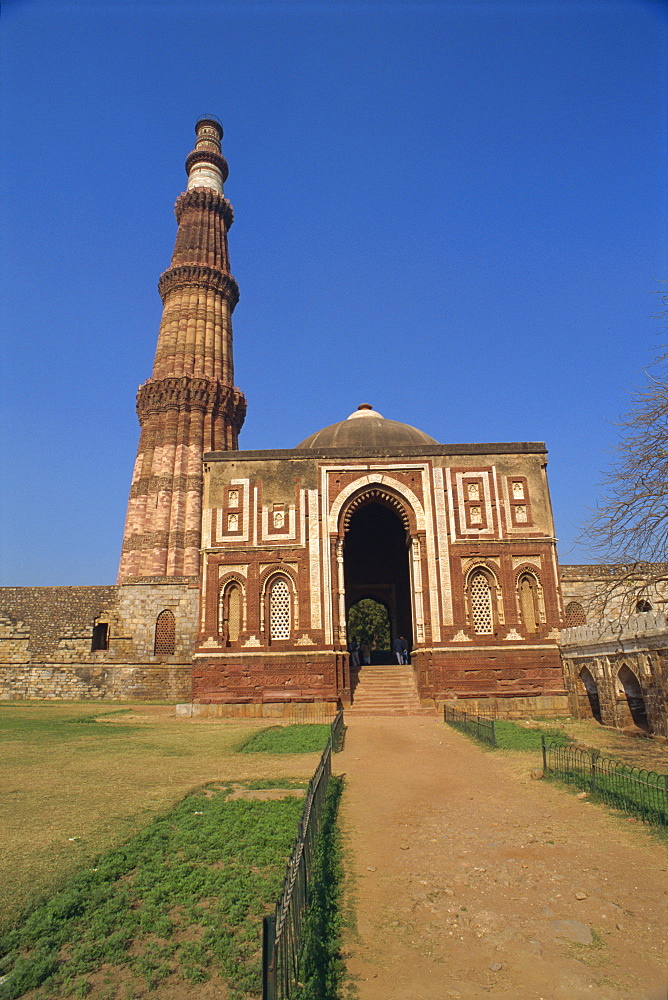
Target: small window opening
{"points": [[642, 607], [100, 637], [229, 613]]}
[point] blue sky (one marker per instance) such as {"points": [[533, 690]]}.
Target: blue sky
{"points": [[453, 211]]}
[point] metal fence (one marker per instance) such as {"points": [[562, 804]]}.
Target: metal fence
{"points": [[282, 930], [634, 790], [338, 730], [476, 725]]}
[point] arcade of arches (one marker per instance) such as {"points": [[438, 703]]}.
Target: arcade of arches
{"points": [[614, 696], [615, 663]]}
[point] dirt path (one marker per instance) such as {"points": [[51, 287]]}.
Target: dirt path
{"points": [[472, 880]]}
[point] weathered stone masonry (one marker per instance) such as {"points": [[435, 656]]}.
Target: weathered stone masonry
{"points": [[615, 654], [621, 671], [46, 639]]}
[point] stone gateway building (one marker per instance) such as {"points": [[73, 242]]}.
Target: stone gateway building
{"points": [[239, 569], [456, 542]]}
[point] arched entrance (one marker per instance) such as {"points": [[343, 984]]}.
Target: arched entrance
{"points": [[634, 697], [591, 687], [375, 559]]}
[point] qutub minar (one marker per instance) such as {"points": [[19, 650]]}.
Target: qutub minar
{"points": [[189, 405], [239, 568]]}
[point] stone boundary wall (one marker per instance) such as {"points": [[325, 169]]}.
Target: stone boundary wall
{"points": [[46, 638], [641, 645]]}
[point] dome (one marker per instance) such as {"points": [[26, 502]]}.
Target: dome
{"points": [[365, 428]]}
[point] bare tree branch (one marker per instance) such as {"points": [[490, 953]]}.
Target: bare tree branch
{"points": [[628, 530]]}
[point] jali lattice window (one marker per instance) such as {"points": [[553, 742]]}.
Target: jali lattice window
{"points": [[165, 633], [481, 604], [575, 615], [279, 610]]}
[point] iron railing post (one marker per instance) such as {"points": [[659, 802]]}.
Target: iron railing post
{"points": [[595, 754], [544, 749], [269, 958]]}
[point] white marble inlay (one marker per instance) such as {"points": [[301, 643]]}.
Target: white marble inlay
{"points": [[314, 560], [442, 538], [206, 175]]}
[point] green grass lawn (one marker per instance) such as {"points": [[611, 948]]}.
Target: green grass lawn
{"points": [[513, 736], [71, 789], [181, 901], [287, 739]]}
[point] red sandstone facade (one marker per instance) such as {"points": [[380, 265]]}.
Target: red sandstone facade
{"points": [[189, 405], [456, 541]]}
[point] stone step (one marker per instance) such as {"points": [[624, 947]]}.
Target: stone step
{"points": [[387, 690], [393, 693], [396, 702], [400, 682], [376, 712]]}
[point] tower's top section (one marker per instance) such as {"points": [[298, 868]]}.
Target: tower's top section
{"points": [[206, 165]]}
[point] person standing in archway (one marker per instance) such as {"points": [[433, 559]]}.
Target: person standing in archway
{"points": [[400, 649], [366, 653]]}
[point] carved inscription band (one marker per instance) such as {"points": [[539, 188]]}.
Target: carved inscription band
{"points": [[155, 484], [162, 540], [186, 393], [199, 276]]}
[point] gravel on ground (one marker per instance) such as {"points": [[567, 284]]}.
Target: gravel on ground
{"points": [[468, 879]]}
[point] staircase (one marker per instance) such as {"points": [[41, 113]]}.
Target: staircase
{"points": [[386, 690]]}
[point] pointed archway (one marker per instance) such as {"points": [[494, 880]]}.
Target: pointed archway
{"points": [[634, 697], [591, 688], [376, 565]]}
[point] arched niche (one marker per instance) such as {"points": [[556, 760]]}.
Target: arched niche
{"points": [[634, 697], [591, 690]]}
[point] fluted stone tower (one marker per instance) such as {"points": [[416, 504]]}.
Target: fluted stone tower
{"points": [[190, 404]]}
